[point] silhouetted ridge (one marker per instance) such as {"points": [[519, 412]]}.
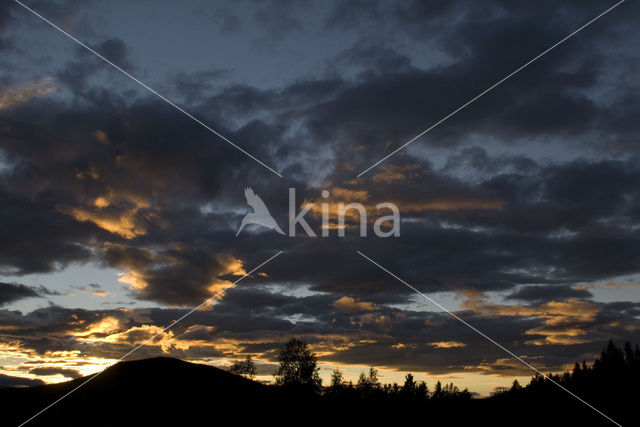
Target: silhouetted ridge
{"points": [[158, 389]]}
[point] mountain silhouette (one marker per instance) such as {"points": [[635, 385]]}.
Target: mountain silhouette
{"points": [[155, 391]]}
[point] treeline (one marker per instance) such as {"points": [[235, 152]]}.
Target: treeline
{"points": [[298, 372], [370, 387], [604, 392], [611, 377], [614, 373]]}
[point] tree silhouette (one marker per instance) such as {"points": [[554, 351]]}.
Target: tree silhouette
{"points": [[437, 392], [368, 383], [409, 387], [422, 391], [336, 379], [298, 367], [246, 368]]}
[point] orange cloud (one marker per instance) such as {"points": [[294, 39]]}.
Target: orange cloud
{"points": [[123, 224], [101, 202], [232, 265], [339, 195], [392, 173], [155, 336], [451, 204], [351, 305], [608, 286], [107, 325], [101, 137], [90, 173], [507, 367], [134, 279], [447, 344], [382, 321], [139, 265], [127, 215], [38, 88], [564, 322], [19, 362], [619, 285]]}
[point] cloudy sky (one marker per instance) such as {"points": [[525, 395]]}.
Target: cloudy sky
{"points": [[520, 214]]}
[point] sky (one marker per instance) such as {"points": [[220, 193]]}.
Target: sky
{"points": [[519, 214]]}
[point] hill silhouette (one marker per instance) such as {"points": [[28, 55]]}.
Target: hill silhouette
{"points": [[157, 391], [165, 391]]}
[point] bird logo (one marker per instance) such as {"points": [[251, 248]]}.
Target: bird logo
{"points": [[260, 214]]}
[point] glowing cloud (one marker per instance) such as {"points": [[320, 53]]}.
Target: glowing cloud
{"points": [[447, 344], [134, 279], [391, 173], [351, 305], [38, 88], [564, 322]]}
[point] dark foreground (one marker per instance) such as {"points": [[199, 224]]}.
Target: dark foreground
{"points": [[170, 392]]}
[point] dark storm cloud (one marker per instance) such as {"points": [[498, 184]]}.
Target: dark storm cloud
{"points": [[277, 19], [145, 164], [193, 86], [274, 19], [486, 42], [36, 238], [393, 99], [10, 292], [68, 373], [561, 224], [147, 156], [396, 105], [159, 158], [476, 158], [548, 292], [9, 381], [76, 74], [177, 275], [5, 20], [59, 10], [5, 15]]}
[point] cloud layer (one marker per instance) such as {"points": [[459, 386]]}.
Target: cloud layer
{"points": [[515, 211]]}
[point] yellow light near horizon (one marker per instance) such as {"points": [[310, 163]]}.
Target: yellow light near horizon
{"points": [[133, 279], [105, 326]]}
